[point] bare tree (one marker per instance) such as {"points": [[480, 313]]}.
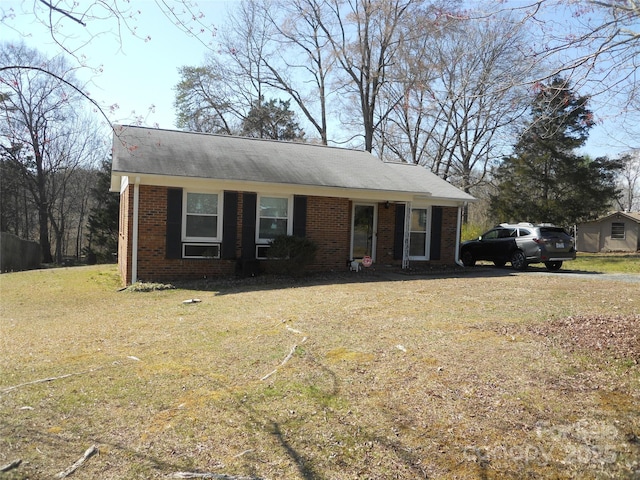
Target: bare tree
{"points": [[365, 36], [74, 25], [205, 101], [458, 95], [40, 134], [629, 182], [302, 62], [477, 97], [244, 44], [218, 96], [80, 149], [595, 44]]}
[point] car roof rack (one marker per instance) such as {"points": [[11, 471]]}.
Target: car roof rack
{"points": [[521, 224]]}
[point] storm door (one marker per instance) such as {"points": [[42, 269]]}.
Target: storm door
{"points": [[363, 232]]}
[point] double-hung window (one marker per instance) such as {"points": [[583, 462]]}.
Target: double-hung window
{"points": [[418, 238], [202, 225], [273, 219]]}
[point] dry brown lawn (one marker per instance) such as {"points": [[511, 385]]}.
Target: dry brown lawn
{"points": [[504, 376]]}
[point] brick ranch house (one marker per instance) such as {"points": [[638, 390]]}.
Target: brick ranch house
{"points": [[196, 205]]}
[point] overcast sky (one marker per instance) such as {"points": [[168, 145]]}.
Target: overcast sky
{"points": [[138, 73]]}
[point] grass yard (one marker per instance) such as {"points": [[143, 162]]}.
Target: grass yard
{"points": [[497, 376], [606, 263]]}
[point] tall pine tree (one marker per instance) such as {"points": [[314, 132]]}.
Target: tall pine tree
{"points": [[545, 180]]}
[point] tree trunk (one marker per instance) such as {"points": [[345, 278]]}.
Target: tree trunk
{"points": [[45, 245]]}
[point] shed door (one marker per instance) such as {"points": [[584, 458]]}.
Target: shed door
{"points": [[363, 231]]}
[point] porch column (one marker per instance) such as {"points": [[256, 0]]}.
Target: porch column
{"points": [[134, 233]]}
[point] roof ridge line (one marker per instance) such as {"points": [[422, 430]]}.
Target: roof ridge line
{"points": [[239, 137]]}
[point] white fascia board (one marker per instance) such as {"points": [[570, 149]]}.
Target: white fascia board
{"points": [[451, 202], [116, 183], [275, 188]]}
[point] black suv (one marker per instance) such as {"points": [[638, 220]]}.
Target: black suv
{"points": [[520, 244]]}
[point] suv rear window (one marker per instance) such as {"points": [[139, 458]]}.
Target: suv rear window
{"points": [[550, 231]]}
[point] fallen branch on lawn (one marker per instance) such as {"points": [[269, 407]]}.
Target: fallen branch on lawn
{"points": [[243, 453], [42, 380], [215, 476], [66, 375], [10, 466], [91, 451], [286, 359]]}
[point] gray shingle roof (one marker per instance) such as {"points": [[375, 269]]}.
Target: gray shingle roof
{"points": [[147, 151]]}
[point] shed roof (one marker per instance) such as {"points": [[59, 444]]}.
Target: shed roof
{"points": [[633, 216], [172, 153]]}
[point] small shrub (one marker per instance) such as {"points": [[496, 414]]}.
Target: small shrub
{"points": [[291, 254], [148, 287]]}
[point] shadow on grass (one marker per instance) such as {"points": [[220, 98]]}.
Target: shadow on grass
{"points": [[273, 282], [53, 450], [268, 282]]}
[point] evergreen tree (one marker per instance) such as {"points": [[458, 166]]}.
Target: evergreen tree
{"points": [[544, 180], [103, 218], [272, 120]]}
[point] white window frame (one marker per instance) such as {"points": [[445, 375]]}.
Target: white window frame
{"points": [[215, 247], [427, 232], [266, 241], [218, 214]]}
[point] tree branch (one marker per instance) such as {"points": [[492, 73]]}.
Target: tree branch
{"points": [[90, 452], [60, 79], [66, 14]]}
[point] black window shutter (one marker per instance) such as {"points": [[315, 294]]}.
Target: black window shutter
{"points": [[174, 223], [398, 234], [300, 216], [229, 225], [249, 205], [436, 233]]}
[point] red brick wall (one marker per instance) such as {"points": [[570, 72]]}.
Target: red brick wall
{"points": [[449, 235], [386, 233], [328, 223], [152, 262]]}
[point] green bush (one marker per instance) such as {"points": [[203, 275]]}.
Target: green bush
{"points": [[471, 231], [290, 254]]}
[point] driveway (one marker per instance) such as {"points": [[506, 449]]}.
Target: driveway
{"points": [[616, 277], [490, 271]]}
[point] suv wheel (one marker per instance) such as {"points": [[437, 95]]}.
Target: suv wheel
{"points": [[518, 260], [553, 266], [467, 259]]}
